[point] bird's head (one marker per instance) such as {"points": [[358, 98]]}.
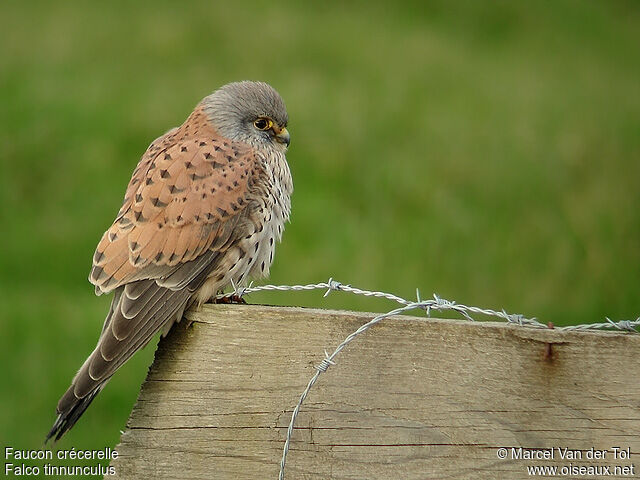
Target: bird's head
{"points": [[250, 112]]}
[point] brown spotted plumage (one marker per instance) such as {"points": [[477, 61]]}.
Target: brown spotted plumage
{"points": [[204, 208]]}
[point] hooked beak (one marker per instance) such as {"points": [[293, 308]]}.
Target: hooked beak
{"points": [[282, 135]]}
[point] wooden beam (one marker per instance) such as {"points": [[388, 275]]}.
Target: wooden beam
{"points": [[412, 398]]}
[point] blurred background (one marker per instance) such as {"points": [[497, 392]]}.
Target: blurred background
{"points": [[489, 153]]}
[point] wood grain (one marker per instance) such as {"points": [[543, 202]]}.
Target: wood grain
{"points": [[413, 398]]}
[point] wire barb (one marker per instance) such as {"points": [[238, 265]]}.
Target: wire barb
{"points": [[332, 285], [326, 363]]}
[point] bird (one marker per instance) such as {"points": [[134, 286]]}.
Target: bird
{"points": [[203, 210]]}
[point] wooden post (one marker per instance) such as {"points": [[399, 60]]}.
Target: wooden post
{"points": [[413, 398]]}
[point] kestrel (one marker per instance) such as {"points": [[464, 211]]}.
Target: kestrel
{"points": [[204, 208]]}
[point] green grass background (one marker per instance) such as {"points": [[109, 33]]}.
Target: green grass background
{"points": [[489, 152]]}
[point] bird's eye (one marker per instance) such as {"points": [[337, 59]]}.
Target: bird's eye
{"points": [[263, 124]]}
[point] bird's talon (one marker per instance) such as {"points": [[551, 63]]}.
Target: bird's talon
{"points": [[238, 299]]}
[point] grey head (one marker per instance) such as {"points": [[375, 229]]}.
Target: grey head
{"points": [[250, 112]]}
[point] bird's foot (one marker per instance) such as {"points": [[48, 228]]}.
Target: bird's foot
{"points": [[230, 299]]}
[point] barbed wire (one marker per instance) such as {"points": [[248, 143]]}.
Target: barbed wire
{"points": [[434, 304]]}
